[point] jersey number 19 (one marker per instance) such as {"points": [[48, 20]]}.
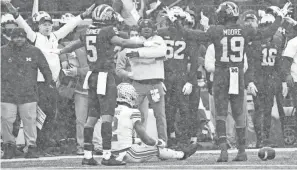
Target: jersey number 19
{"points": [[233, 49]]}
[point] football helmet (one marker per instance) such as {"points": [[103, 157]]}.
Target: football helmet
{"points": [[7, 19], [190, 20], [66, 18], [266, 20], [227, 11], [39, 15], [104, 15], [127, 94], [177, 11]]}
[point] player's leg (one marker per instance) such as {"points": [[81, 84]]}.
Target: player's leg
{"points": [[93, 115], [259, 104], [196, 121], [221, 100], [170, 101], [140, 153], [107, 109], [239, 117], [159, 111], [184, 110]]}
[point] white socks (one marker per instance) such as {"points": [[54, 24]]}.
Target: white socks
{"points": [[106, 154], [172, 135], [166, 153], [88, 154]]}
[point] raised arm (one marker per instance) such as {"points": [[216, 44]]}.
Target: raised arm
{"points": [[190, 34], [67, 28], [125, 43], [31, 35]]}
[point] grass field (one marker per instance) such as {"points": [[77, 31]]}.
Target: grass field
{"points": [[285, 159]]}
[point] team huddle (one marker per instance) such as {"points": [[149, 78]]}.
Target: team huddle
{"points": [[172, 50]]}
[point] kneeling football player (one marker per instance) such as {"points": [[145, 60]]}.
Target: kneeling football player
{"points": [[126, 121]]}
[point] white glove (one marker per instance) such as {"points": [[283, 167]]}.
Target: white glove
{"points": [[275, 11], [170, 14], [285, 89], [187, 89], [287, 8], [164, 87], [160, 143], [55, 51], [204, 21], [252, 88]]}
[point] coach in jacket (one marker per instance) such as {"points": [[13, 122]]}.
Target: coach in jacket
{"points": [[20, 62]]}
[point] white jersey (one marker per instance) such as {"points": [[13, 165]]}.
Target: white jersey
{"points": [[48, 43], [123, 126], [291, 51]]}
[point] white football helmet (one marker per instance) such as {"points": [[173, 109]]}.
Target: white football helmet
{"points": [[7, 19], [266, 20], [127, 94], [40, 14]]}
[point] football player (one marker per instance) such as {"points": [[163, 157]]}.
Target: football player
{"points": [[8, 23], [125, 121], [229, 40], [178, 82], [99, 40], [265, 79]]}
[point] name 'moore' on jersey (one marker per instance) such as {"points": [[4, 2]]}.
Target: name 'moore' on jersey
{"points": [[122, 127], [100, 51], [230, 41]]}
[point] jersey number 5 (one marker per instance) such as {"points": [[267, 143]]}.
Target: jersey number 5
{"points": [[175, 54], [91, 48], [268, 56], [234, 48]]}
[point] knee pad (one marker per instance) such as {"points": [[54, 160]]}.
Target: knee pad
{"points": [[106, 133]]}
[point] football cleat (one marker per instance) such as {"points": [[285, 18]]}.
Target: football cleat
{"points": [[91, 161], [240, 157], [112, 161], [189, 151]]}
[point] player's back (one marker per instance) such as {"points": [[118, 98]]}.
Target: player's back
{"points": [[123, 125], [176, 56], [229, 42], [100, 51]]}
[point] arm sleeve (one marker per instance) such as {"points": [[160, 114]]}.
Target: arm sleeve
{"points": [[250, 72], [266, 33], [44, 67], [117, 6], [191, 34], [72, 46], [122, 65], [31, 35], [194, 54], [210, 59], [155, 51], [67, 28]]}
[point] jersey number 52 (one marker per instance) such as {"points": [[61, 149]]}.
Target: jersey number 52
{"points": [[91, 48], [233, 49]]}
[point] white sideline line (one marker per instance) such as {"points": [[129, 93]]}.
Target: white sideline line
{"points": [[96, 156]]}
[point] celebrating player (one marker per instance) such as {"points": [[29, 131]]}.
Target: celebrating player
{"points": [[177, 81], [126, 121], [99, 40], [229, 41]]}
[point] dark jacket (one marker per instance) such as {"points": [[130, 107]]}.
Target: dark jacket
{"points": [[19, 67]]}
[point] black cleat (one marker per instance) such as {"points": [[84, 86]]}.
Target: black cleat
{"points": [[223, 156], [91, 161], [240, 157], [189, 151], [112, 161]]}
